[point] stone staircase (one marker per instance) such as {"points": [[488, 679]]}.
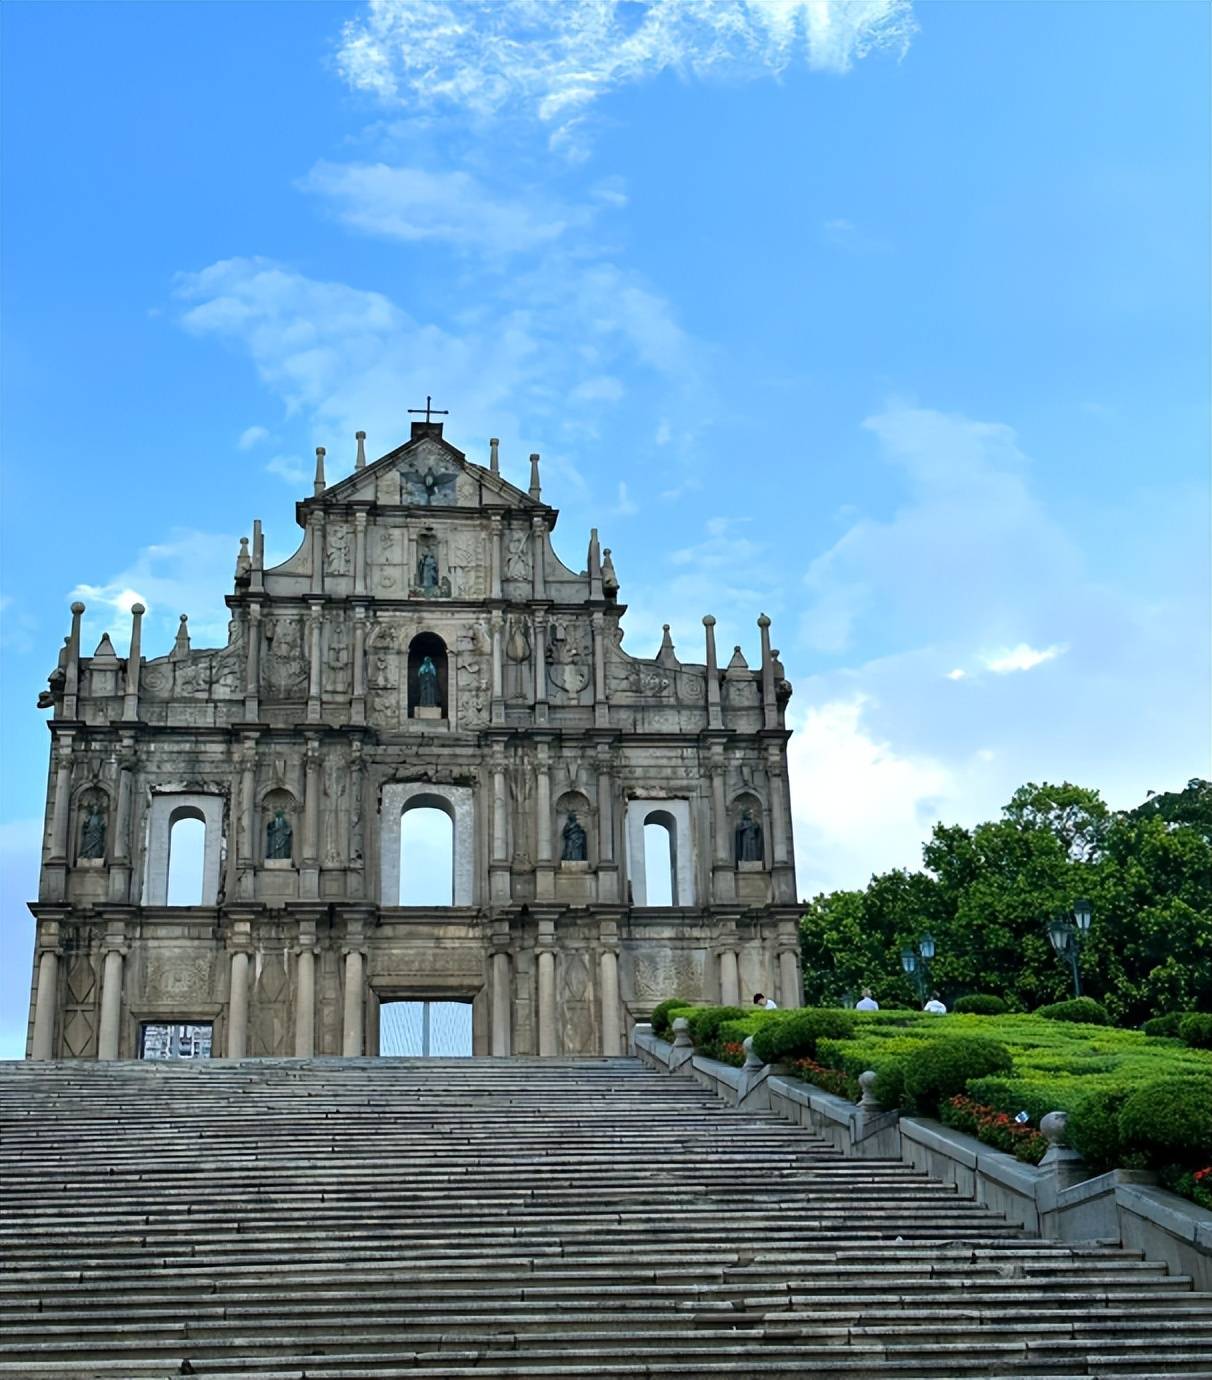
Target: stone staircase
{"points": [[520, 1217]]}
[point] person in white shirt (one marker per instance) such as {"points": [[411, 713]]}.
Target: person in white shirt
{"points": [[866, 1002], [934, 1006], [768, 1003]]}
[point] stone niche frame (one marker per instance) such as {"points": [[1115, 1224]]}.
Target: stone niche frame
{"points": [[676, 818], [167, 807], [456, 801]]}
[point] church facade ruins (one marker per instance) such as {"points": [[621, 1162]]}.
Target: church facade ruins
{"points": [[423, 648]]}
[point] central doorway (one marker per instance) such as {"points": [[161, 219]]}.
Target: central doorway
{"points": [[421, 1029]]}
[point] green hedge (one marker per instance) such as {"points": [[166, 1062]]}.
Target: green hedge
{"points": [[794, 1034], [1167, 1025], [1081, 1010], [662, 1015], [979, 1004], [1196, 1030], [1168, 1122]]}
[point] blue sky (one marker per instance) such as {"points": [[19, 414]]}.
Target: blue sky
{"points": [[892, 322]]}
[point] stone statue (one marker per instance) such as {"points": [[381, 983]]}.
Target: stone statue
{"points": [[427, 684], [575, 842], [749, 839], [427, 571], [92, 837], [278, 836]]}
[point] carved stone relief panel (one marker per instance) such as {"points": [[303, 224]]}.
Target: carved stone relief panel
{"points": [[284, 664], [338, 559], [473, 669], [569, 660], [387, 551], [385, 676], [337, 657], [517, 556], [467, 565]]}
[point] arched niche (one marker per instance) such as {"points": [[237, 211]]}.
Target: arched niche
{"points": [[93, 821], [744, 841], [279, 845], [569, 804], [428, 644], [456, 801], [674, 817], [168, 809], [426, 852]]}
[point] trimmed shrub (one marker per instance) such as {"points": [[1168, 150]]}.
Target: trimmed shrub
{"points": [[1196, 1030], [979, 1004], [889, 1086], [1082, 1010], [1167, 1025], [794, 1035], [1094, 1128], [942, 1068], [1169, 1121], [705, 1022], [662, 1018]]}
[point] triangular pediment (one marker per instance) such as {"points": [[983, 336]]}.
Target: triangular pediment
{"points": [[426, 472]]}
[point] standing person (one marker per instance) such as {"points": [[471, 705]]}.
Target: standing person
{"points": [[934, 1006], [866, 1002], [767, 1003]]}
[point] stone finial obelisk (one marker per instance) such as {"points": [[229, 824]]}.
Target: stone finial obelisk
{"points": [[360, 461], [714, 717], [535, 490], [594, 565], [770, 709], [71, 682], [494, 455], [134, 658], [319, 485]]}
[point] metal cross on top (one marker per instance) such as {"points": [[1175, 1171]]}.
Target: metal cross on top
{"points": [[429, 410]]}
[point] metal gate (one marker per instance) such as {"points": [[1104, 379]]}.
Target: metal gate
{"points": [[424, 1028]]}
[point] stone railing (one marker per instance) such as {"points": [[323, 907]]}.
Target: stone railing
{"points": [[1055, 1199]]}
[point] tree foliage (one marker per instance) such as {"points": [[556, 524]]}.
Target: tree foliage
{"points": [[987, 893]]}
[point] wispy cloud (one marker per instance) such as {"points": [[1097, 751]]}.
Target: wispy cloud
{"points": [[252, 436], [286, 467], [625, 506], [1022, 658], [453, 207], [553, 59]]}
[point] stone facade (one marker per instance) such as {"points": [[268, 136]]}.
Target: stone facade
{"points": [[424, 646]]}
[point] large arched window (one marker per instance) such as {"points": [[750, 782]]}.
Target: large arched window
{"points": [[428, 679], [186, 856], [660, 859], [426, 854]]}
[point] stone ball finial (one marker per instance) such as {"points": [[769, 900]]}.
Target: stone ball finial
{"points": [[321, 451], [866, 1081], [494, 440], [763, 621], [77, 607], [359, 436], [185, 618], [708, 620], [1055, 1127], [665, 626], [138, 609]]}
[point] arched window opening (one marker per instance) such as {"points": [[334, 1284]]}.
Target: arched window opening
{"points": [[426, 856], [427, 677], [660, 860], [421, 1029], [186, 857]]}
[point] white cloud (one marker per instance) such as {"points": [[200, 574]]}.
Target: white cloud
{"points": [[626, 505], [188, 573], [859, 805], [414, 204], [293, 471], [553, 59], [958, 674], [1022, 658], [600, 389], [252, 436]]}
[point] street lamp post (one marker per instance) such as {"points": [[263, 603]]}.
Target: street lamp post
{"points": [[1066, 938], [916, 963]]}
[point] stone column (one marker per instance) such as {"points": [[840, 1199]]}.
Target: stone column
{"points": [[309, 882], [134, 658], [497, 623], [351, 1030], [538, 544], [357, 708], [360, 551], [315, 525], [730, 981], [316, 668], [544, 871], [601, 708], [547, 1003], [608, 869], [770, 709], [502, 1003], [46, 998], [61, 816], [121, 868], [305, 991], [608, 986], [252, 665], [494, 556], [789, 977], [248, 805], [783, 872], [237, 1006], [539, 658], [71, 672], [111, 998]]}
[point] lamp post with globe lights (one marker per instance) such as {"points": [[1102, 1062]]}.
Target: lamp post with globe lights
{"points": [[916, 963], [1067, 936]]}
